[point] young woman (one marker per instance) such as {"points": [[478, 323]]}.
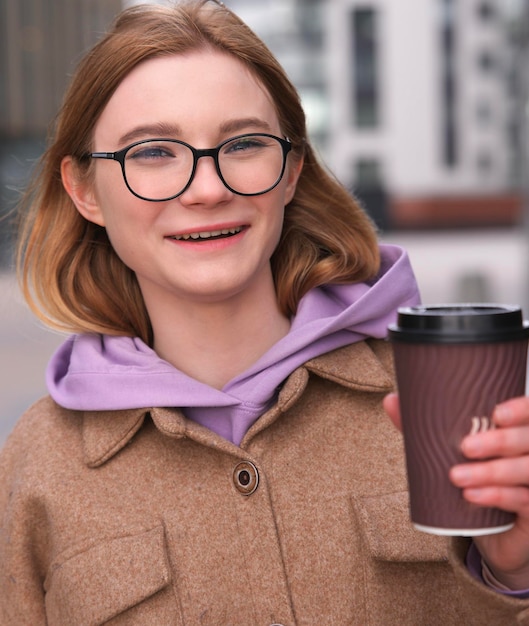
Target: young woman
{"points": [[214, 448]]}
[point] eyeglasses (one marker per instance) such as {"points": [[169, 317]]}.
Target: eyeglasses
{"points": [[162, 169]]}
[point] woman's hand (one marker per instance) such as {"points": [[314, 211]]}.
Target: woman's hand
{"points": [[497, 477]]}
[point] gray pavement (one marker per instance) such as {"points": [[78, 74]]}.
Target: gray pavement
{"points": [[450, 267]]}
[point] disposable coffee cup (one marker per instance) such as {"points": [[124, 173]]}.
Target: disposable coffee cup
{"points": [[453, 363]]}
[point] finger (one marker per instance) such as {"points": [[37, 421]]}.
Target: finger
{"points": [[496, 473], [513, 499], [513, 412], [392, 408], [500, 442]]}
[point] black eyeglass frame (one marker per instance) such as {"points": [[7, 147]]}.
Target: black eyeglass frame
{"points": [[120, 156]]}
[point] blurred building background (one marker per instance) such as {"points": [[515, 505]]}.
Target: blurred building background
{"points": [[40, 42], [420, 107], [416, 105]]}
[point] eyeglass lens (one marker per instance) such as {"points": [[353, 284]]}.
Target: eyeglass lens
{"points": [[158, 170]]}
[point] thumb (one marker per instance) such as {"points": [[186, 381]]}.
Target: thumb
{"points": [[392, 408]]}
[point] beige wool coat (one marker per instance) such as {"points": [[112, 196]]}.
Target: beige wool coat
{"points": [[142, 517]]}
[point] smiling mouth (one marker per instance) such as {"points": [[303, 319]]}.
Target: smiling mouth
{"points": [[208, 235]]}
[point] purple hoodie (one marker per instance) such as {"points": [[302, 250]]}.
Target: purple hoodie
{"points": [[102, 372]]}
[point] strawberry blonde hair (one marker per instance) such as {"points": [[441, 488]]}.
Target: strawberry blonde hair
{"points": [[71, 276]]}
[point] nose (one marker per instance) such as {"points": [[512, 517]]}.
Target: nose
{"points": [[206, 186]]}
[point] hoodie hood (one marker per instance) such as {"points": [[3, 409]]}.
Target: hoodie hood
{"points": [[103, 372]]}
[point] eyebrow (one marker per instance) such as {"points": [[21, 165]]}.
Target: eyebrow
{"points": [[163, 130], [150, 130], [236, 125]]}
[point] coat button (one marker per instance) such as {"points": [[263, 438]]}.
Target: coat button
{"points": [[245, 478]]}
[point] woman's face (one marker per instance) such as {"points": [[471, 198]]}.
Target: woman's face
{"points": [[202, 98]]}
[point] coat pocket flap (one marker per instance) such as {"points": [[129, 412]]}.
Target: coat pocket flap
{"points": [[101, 582], [389, 534]]}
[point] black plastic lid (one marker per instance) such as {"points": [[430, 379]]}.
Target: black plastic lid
{"points": [[459, 323]]}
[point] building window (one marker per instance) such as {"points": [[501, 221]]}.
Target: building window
{"points": [[365, 68], [486, 11], [369, 189], [40, 43], [486, 61], [484, 113], [485, 163], [368, 174], [449, 94]]}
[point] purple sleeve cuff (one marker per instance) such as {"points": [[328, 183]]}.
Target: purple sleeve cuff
{"points": [[475, 567]]}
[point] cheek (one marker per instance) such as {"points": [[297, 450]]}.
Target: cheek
{"points": [[124, 243], [291, 178], [109, 187], [276, 220], [119, 208], [126, 225]]}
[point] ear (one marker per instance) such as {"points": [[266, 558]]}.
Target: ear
{"points": [[293, 171], [81, 192]]}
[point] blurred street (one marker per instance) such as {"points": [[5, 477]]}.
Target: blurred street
{"points": [[487, 265]]}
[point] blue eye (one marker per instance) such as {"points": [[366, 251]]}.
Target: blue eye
{"points": [[245, 144], [242, 145], [149, 152]]}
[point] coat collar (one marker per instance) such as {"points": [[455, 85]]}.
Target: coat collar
{"points": [[355, 366]]}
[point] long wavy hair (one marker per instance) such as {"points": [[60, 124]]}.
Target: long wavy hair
{"points": [[71, 276]]}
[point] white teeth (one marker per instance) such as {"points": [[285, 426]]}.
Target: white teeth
{"points": [[207, 234]]}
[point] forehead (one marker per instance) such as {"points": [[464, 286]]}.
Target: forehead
{"points": [[192, 92]]}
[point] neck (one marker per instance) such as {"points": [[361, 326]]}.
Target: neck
{"points": [[214, 342]]}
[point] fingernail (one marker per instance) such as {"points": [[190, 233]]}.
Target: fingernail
{"points": [[460, 474], [471, 445], [502, 414], [474, 494]]}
